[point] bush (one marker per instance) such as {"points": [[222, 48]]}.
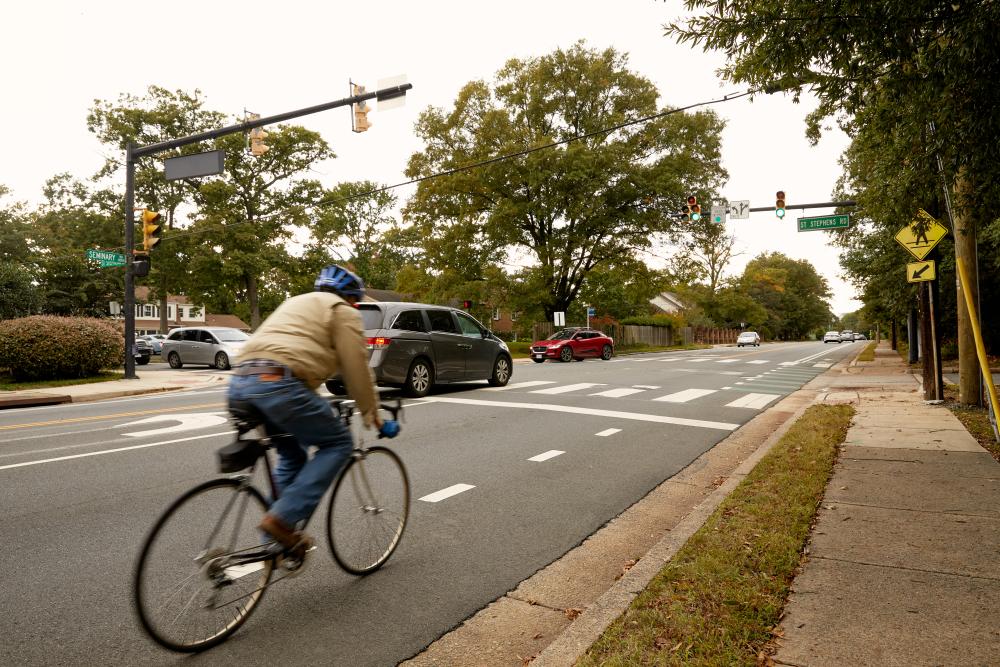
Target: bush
{"points": [[47, 347], [671, 321]]}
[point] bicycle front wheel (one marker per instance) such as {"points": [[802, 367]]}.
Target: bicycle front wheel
{"points": [[368, 510], [196, 581]]}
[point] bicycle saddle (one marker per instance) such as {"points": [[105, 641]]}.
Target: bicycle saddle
{"points": [[246, 415]]}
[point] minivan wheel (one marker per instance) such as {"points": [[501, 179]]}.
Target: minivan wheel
{"points": [[606, 352], [501, 372], [174, 360], [222, 361], [566, 354], [418, 379]]}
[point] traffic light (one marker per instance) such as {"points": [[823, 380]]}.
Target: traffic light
{"points": [[257, 136], [467, 304], [361, 109], [686, 212], [779, 205], [140, 265], [151, 229], [695, 208]]}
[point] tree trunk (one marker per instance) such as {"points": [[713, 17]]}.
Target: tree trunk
{"points": [[965, 247], [254, 305]]}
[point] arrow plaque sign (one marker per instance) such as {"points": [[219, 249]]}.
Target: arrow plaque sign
{"points": [[919, 272]]}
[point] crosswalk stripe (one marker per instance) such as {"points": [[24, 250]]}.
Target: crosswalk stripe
{"points": [[618, 393], [671, 359], [608, 431], [565, 389], [759, 361], [520, 385], [726, 361], [822, 365], [753, 401], [698, 361], [646, 386], [686, 395]]}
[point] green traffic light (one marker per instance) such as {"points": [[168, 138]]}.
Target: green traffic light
{"points": [[696, 216], [780, 212]]}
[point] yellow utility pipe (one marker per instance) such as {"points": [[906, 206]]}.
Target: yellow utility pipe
{"points": [[980, 348]]}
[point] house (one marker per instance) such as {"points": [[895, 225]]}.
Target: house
{"points": [[180, 313], [668, 302]]}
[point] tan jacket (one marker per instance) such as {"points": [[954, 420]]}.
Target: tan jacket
{"points": [[318, 335]]}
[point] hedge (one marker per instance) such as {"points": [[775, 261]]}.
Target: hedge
{"points": [[47, 347], [673, 322]]}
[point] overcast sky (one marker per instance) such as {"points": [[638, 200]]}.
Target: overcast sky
{"points": [[59, 56]]}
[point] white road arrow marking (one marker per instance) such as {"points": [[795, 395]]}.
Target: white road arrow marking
{"points": [[188, 422]]}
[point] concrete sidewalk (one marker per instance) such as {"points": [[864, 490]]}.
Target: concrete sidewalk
{"points": [[147, 382], [903, 566]]}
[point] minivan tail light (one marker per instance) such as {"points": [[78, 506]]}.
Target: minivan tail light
{"points": [[378, 343]]}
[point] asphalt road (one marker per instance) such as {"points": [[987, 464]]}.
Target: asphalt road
{"points": [[81, 484]]}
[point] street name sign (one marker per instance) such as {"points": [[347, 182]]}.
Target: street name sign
{"points": [[824, 222], [921, 272], [106, 257], [719, 213], [740, 210], [920, 236], [193, 166]]}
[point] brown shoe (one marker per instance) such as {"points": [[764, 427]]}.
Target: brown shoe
{"points": [[295, 542]]}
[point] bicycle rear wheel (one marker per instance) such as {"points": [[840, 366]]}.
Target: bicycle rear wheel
{"points": [[368, 510], [190, 593]]}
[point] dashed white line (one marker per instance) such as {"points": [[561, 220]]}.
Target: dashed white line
{"points": [[759, 361], [452, 490], [686, 395], [545, 456], [646, 386], [608, 431], [566, 388], [726, 361]]}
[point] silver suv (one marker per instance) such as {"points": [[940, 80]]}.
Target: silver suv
{"points": [[416, 345], [214, 346]]}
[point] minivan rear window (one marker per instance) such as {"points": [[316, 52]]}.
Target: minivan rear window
{"points": [[410, 320], [371, 316]]}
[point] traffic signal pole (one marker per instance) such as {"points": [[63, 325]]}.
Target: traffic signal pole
{"points": [[133, 152]]}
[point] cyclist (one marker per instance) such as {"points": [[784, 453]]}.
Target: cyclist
{"points": [[309, 338]]}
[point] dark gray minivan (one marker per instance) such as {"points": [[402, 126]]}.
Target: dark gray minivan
{"points": [[416, 345]]}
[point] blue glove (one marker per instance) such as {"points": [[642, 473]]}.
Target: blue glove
{"points": [[390, 429]]}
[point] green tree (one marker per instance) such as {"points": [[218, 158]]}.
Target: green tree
{"points": [[159, 115], [236, 248], [623, 289], [15, 242], [791, 292], [711, 248], [570, 208], [18, 295]]}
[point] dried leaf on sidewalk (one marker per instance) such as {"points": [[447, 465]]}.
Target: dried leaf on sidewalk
{"points": [[537, 635], [572, 612]]}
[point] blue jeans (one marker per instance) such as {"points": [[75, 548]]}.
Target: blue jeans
{"points": [[295, 419]]}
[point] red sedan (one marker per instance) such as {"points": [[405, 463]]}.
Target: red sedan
{"points": [[573, 343]]}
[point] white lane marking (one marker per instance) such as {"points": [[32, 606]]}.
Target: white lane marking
{"points": [[452, 490], [667, 359], [616, 414], [239, 571], [191, 421], [545, 456], [804, 359], [618, 393], [686, 395], [698, 361], [521, 385], [566, 388], [737, 383], [822, 365], [113, 451], [726, 361], [608, 431], [646, 386], [759, 361], [727, 387], [753, 401]]}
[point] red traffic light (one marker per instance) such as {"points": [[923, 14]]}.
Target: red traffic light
{"points": [[467, 304], [692, 200]]}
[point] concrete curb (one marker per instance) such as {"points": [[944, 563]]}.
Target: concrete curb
{"points": [[587, 628]]}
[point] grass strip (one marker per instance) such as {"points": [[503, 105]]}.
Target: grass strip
{"points": [[868, 354], [718, 601], [7, 383]]}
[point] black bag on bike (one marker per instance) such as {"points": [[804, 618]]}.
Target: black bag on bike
{"points": [[239, 454]]}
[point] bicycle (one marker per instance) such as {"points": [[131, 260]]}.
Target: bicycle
{"points": [[204, 566]]}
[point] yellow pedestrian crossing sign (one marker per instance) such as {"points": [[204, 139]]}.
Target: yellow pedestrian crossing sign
{"points": [[919, 272], [920, 236]]}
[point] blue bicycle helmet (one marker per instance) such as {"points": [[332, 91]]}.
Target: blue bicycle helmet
{"points": [[340, 281]]}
